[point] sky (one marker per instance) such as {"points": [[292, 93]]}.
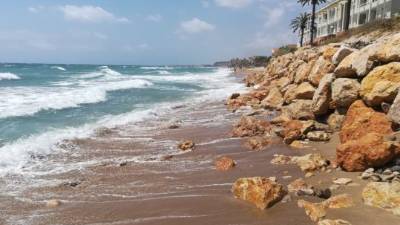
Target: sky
{"points": [[143, 32]]}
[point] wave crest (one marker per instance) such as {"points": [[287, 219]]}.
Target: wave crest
{"points": [[9, 76]]}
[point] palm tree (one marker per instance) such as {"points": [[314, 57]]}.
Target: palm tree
{"points": [[299, 24], [314, 4], [348, 15]]}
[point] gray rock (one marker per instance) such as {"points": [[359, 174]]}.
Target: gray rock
{"points": [[322, 96], [318, 136], [394, 111], [341, 54], [345, 91], [299, 109]]}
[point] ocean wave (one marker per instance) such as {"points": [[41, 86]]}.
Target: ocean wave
{"points": [[163, 72], [9, 76], [156, 68], [59, 68], [25, 101], [104, 71]]}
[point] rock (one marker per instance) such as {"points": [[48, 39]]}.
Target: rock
{"points": [[357, 64], [383, 195], [251, 126], [299, 187], [344, 92], [329, 51], [186, 145], [234, 96], [224, 163], [281, 160], [286, 199], [335, 121], [341, 54], [310, 162], [385, 107], [295, 130], [381, 84], [342, 181], [394, 111], [167, 157], [304, 91], [260, 191], [303, 71], [338, 202], [173, 126], [299, 109], [257, 143], [322, 96], [297, 144], [315, 211], [323, 193], [319, 70], [318, 136], [368, 151], [274, 100], [308, 175], [53, 203], [361, 120], [389, 50], [280, 119], [334, 222]]}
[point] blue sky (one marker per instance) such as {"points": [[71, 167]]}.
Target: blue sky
{"points": [[142, 31]]}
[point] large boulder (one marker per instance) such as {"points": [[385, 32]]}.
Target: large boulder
{"points": [[394, 111], [389, 50], [250, 126], [299, 109], [304, 91], [319, 70], [330, 50], [383, 195], [370, 150], [358, 63], [274, 100], [303, 71], [342, 53], [361, 120], [344, 92], [260, 191], [381, 84], [322, 96]]}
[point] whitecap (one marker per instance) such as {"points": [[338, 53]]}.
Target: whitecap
{"points": [[9, 76], [59, 68], [163, 72], [156, 68]]}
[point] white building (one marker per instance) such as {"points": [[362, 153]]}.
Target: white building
{"points": [[331, 19]]}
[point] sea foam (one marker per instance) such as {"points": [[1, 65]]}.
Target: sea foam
{"points": [[9, 76]]}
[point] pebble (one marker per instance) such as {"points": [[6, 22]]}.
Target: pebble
{"points": [[53, 203], [286, 177], [308, 175], [287, 199], [323, 193], [342, 181], [334, 187], [273, 179]]}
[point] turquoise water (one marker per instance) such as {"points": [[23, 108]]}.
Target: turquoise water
{"points": [[41, 104]]}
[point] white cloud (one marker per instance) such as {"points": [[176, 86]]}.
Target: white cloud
{"points": [[154, 18], [236, 4], [88, 13], [196, 25], [36, 9]]}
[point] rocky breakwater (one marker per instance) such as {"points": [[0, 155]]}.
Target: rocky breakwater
{"points": [[319, 91]]}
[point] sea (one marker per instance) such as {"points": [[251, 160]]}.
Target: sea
{"points": [[43, 104]]}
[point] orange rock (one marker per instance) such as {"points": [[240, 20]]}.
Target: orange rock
{"points": [[224, 163], [361, 120], [250, 126], [260, 191], [186, 145], [257, 143], [315, 211], [371, 150]]}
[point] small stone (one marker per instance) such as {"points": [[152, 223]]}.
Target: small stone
{"points": [[308, 175], [287, 199], [286, 177], [342, 181], [333, 222], [387, 177], [186, 145], [224, 163], [395, 168], [123, 164], [173, 126], [53, 203], [387, 172], [167, 157], [273, 179], [369, 170], [334, 187], [323, 193], [376, 178]]}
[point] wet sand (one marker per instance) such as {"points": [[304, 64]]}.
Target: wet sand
{"points": [[140, 177]]}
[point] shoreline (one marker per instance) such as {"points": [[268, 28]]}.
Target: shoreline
{"points": [[178, 187]]}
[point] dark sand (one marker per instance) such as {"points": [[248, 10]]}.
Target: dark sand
{"points": [[149, 189]]}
